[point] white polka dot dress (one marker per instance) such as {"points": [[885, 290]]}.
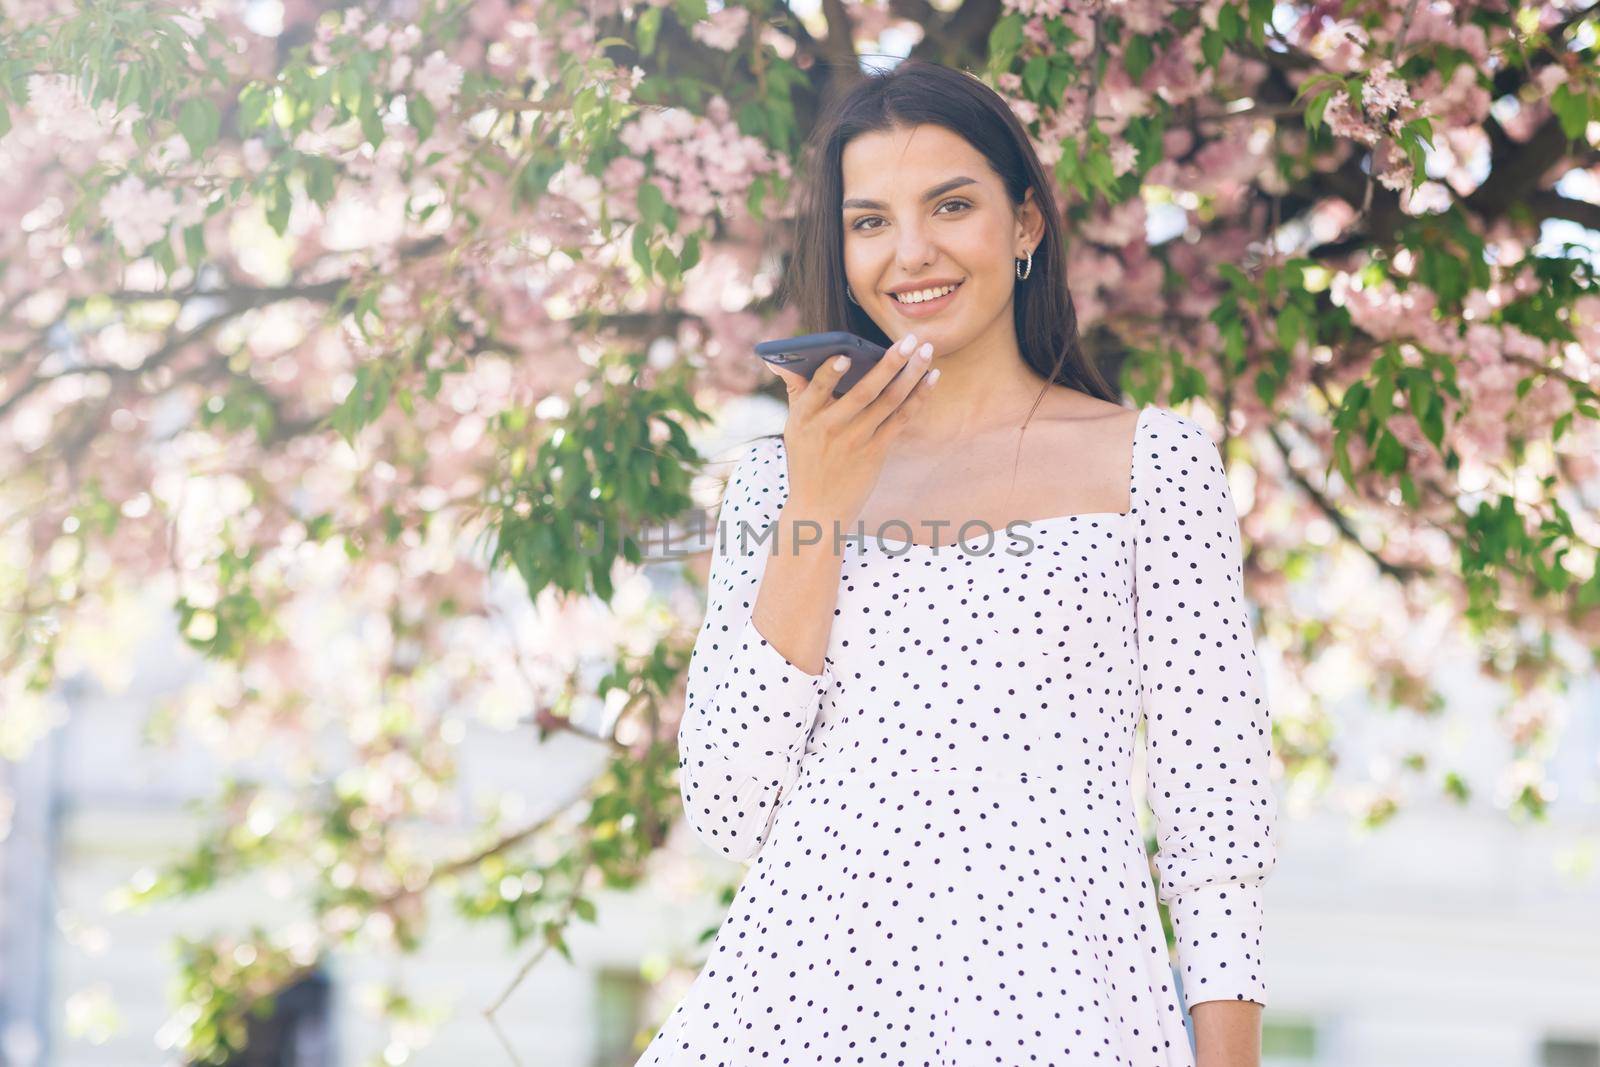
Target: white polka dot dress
{"points": [[948, 868]]}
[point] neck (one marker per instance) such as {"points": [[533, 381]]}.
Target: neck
{"points": [[984, 387]]}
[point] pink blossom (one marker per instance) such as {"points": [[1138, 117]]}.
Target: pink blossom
{"points": [[60, 112], [439, 79], [1123, 157], [1036, 10], [1382, 92], [1461, 101], [702, 165], [1340, 45], [722, 29], [488, 17], [137, 214], [1343, 120], [1549, 77], [1035, 32]]}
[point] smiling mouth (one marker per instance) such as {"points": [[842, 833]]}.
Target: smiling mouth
{"points": [[913, 303]]}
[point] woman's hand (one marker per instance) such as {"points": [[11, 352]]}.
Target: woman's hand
{"points": [[836, 445]]}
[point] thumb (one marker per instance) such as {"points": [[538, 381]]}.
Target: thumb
{"points": [[791, 380]]}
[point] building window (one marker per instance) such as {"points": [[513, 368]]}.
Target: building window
{"points": [[296, 1034], [620, 997], [1287, 1041], [1569, 1052]]}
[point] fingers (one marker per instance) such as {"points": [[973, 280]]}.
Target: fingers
{"points": [[791, 381], [913, 370], [809, 396], [908, 410], [871, 385]]}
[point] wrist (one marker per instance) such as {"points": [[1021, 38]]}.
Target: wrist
{"points": [[804, 524]]}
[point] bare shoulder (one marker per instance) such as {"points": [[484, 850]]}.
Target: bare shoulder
{"points": [[1097, 434], [1087, 422]]}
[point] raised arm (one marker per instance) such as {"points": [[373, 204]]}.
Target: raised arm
{"points": [[747, 709], [1208, 736]]}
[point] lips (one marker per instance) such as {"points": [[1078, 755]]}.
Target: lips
{"points": [[896, 297]]}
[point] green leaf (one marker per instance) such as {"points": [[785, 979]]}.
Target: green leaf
{"points": [[667, 264], [1291, 326], [641, 251], [1035, 73], [347, 89], [652, 205], [194, 244], [365, 401], [1136, 57], [278, 203], [419, 109], [1317, 83], [1571, 108], [1260, 16], [1060, 78], [1317, 108], [757, 193], [1229, 24], [1005, 38], [1391, 455], [199, 121], [132, 88], [255, 103], [649, 26], [319, 179], [164, 256], [371, 124]]}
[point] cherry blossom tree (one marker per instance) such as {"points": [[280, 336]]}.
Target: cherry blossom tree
{"points": [[314, 321]]}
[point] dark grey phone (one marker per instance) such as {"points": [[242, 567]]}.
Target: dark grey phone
{"points": [[804, 354]]}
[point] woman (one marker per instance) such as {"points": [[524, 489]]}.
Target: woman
{"points": [[926, 742]]}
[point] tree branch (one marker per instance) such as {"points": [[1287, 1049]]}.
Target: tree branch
{"points": [[1341, 522]]}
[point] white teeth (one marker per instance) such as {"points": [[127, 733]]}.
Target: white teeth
{"points": [[921, 295]]}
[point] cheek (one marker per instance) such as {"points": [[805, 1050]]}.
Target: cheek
{"points": [[856, 261], [979, 252]]}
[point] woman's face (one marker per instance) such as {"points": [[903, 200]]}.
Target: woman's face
{"points": [[921, 208]]}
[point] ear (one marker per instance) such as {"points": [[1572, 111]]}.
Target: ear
{"points": [[1030, 224]]}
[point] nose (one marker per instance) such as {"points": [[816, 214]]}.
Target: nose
{"points": [[914, 250]]}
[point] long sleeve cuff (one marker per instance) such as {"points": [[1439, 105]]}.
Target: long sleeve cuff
{"points": [[772, 702], [1218, 930]]}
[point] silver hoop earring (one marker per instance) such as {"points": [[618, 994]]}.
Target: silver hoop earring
{"points": [[852, 296], [1023, 273]]}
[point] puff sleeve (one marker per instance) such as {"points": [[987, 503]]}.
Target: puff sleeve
{"points": [[747, 709], [1203, 702]]}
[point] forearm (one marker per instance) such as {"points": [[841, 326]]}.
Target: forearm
{"points": [[800, 586], [1227, 1033]]}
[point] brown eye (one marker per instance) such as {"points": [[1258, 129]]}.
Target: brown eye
{"points": [[866, 218]]}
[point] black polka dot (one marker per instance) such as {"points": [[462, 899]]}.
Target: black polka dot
{"points": [[948, 866]]}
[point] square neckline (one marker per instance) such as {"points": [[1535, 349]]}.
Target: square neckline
{"points": [[1001, 537]]}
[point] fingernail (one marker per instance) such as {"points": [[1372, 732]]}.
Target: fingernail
{"points": [[933, 375], [908, 344], [841, 363], [926, 350]]}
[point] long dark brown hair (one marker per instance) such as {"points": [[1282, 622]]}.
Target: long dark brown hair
{"points": [[910, 94]]}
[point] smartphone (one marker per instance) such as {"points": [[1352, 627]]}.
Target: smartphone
{"points": [[804, 354]]}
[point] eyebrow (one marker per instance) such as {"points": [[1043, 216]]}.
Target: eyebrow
{"points": [[937, 190]]}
